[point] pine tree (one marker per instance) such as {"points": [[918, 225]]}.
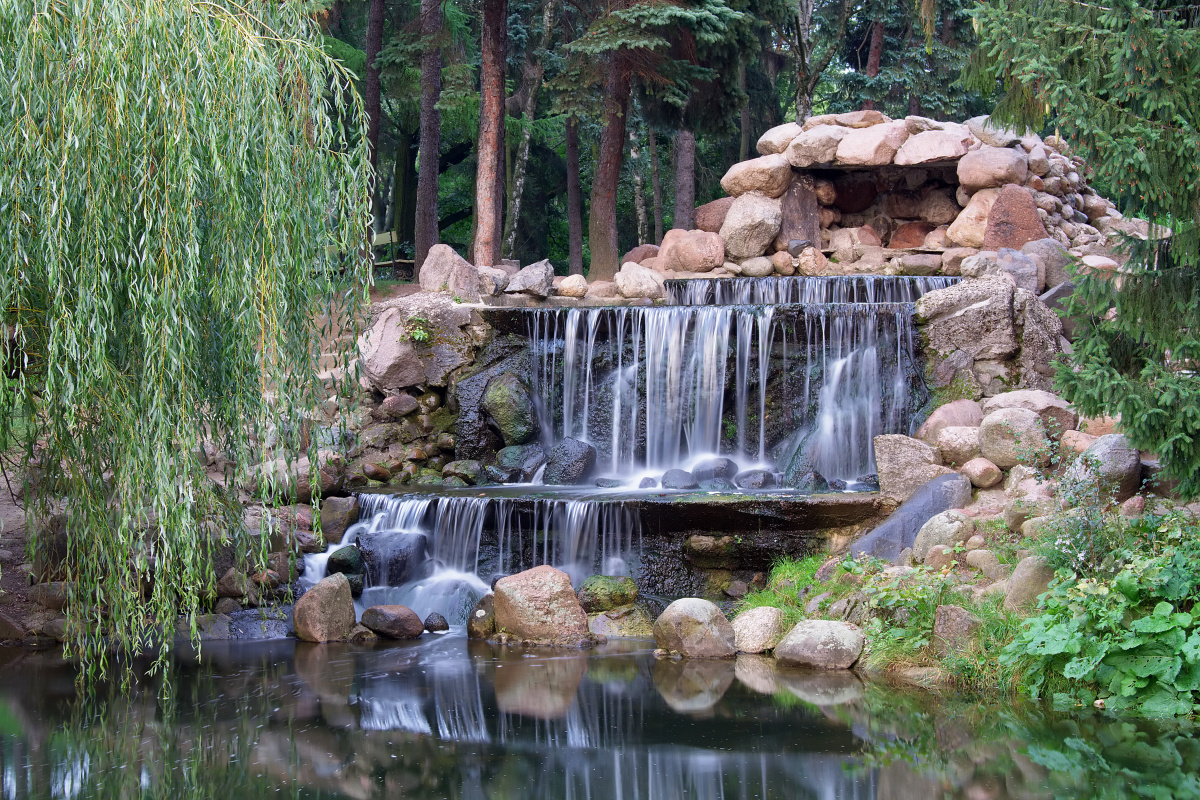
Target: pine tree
{"points": [[1121, 81]]}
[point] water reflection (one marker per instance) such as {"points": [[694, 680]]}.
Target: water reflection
{"points": [[448, 718]]}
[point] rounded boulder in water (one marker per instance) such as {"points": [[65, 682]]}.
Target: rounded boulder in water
{"points": [[648, 483], [570, 462], [481, 622], [715, 469], [754, 479], [679, 479], [509, 404], [436, 623], [393, 622]]}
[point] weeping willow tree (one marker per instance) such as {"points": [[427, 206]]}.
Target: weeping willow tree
{"points": [[177, 181], [1121, 81]]}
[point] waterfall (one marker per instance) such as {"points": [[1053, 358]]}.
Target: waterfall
{"points": [[802, 290]]}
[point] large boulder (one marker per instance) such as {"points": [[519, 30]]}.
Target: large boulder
{"points": [[695, 628], [757, 630], [817, 145], [691, 251], [711, 216], [936, 145], [1112, 464], [1013, 220], [606, 592], [991, 167], [535, 279], [539, 604], [446, 271], [393, 622], [640, 253], [509, 404], [394, 558], [899, 531], [958, 445], [337, 514], [1056, 413], [821, 644], [325, 613], [1026, 273], [391, 357], [874, 146], [970, 227], [634, 281], [753, 222], [1054, 256], [992, 135], [904, 465], [975, 317], [800, 212], [1031, 578], [982, 473], [481, 622], [947, 529], [1011, 436], [777, 139], [768, 175], [570, 462], [955, 414]]}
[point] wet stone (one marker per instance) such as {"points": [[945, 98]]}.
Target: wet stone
{"points": [[436, 623], [679, 479], [755, 479]]}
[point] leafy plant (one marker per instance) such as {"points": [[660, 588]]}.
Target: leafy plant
{"points": [[418, 328]]}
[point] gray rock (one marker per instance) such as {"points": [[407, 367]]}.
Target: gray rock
{"points": [[1053, 255], [1056, 413], [695, 628], [899, 531], [983, 130], [393, 621], [679, 479], [394, 558], [954, 629], [715, 468], [974, 316], [509, 405], [821, 644], [647, 483], [1055, 299], [757, 630], [1111, 464], [1031, 578], [536, 279], [570, 462], [754, 479], [988, 563], [436, 623], [1011, 436], [526, 459], [1023, 270], [905, 464], [947, 528], [446, 271]]}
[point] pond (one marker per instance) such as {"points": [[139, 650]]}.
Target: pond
{"points": [[445, 717]]}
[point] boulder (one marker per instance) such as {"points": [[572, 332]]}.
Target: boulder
{"points": [[991, 167], [938, 208], [573, 286], [509, 405], [1056, 413], [955, 414], [692, 686], [1014, 220], [715, 469], [1054, 257], [634, 281], [753, 222], [1076, 442], [934, 145], [899, 531], [535, 279], [975, 317], [1024, 270], [570, 462], [467, 470], [752, 479], [983, 130], [954, 629], [970, 226], [823, 689], [435, 623], [692, 251], [393, 622], [910, 235], [711, 216], [982, 473], [1011, 436], [757, 630], [800, 214], [492, 281], [947, 529], [777, 139], [851, 119], [392, 360], [874, 146], [606, 592], [526, 459], [627, 622], [768, 175], [821, 644], [602, 290], [394, 558], [757, 267], [640, 253], [816, 145], [958, 445], [695, 628], [325, 613], [337, 514], [481, 622], [446, 271], [855, 193], [1031, 578], [952, 258], [539, 604], [679, 479], [397, 406], [904, 465], [1112, 464]]}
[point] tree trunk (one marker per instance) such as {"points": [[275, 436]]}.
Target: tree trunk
{"points": [[874, 55], [574, 200], [602, 221], [371, 98], [809, 72], [639, 194], [744, 148], [406, 188], [425, 232], [489, 175], [685, 179], [656, 185]]}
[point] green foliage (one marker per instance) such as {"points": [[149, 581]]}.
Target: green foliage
{"points": [[418, 329], [1127, 635], [174, 179]]}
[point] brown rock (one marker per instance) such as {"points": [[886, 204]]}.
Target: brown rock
{"points": [[800, 210], [640, 253], [711, 216], [982, 473], [953, 257], [920, 264], [956, 414], [855, 193], [938, 207], [543, 688], [539, 604], [954, 629], [393, 622], [990, 167], [1031, 577], [783, 262], [1077, 441], [830, 217], [325, 613], [868, 236], [1013, 220], [691, 251], [910, 235], [826, 192], [816, 145], [873, 146], [969, 228], [851, 119], [937, 238], [770, 175]]}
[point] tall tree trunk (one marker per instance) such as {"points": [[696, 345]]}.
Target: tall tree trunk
{"points": [[425, 232], [534, 70], [406, 189], [332, 19], [808, 71], [874, 55], [371, 97], [574, 200], [656, 185], [744, 148], [602, 221], [685, 179], [639, 194], [489, 175]]}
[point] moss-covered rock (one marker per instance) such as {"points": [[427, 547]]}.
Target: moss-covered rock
{"points": [[606, 592], [509, 404]]}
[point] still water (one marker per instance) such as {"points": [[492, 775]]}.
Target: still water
{"points": [[444, 717]]}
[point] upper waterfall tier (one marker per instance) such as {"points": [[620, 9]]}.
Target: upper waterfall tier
{"points": [[802, 290]]}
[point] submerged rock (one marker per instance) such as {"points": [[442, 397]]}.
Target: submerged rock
{"points": [[481, 622], [822, 644], [570, 462], [394, 558], [325, 613], [393, 621], [606, 592], [695, 628], [539, 604]]}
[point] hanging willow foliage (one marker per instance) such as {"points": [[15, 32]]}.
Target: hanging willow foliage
{"points": [[174, 177]]}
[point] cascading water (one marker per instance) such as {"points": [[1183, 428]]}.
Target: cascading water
{"points": [[753, 369]]}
